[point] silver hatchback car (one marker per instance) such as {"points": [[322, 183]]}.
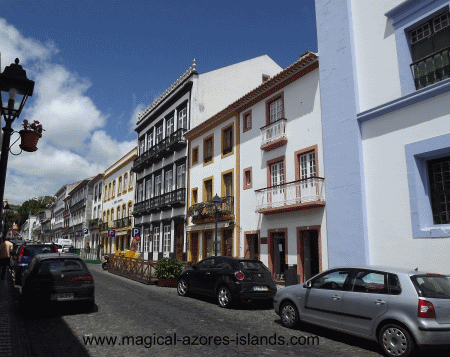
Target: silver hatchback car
{"points": [[399, 308]]}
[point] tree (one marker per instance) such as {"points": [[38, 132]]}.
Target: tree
{"points": [[34, 206]]}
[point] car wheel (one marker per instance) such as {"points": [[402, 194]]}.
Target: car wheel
{"points": [[182, 287], [289, 314], [224, 297], [396, 341]]}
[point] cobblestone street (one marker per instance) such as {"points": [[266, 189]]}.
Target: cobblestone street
{"points": [[149, 315]]}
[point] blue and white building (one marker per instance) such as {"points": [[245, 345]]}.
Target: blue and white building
{"points": [[384, 81]]}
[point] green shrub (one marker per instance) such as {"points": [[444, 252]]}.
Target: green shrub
{"points": [[168, 268]]}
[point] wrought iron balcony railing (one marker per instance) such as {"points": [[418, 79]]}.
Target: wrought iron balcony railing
{"points": [[78, 205], [165, 201], [205, 212], [294, 194], [431, 69], [273, 132], [122, 223], [164, 148], [94, 222]]}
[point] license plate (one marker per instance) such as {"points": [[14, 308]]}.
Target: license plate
{"points": [[260, 288], [62, 297]]}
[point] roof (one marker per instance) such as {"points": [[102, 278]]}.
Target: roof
{"points": [[306, 60]]}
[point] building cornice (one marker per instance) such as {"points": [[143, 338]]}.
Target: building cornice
{"points": [[120, 165]]}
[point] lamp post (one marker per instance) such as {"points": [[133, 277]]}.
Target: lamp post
{"points": [[15, 88], [217, 203]]}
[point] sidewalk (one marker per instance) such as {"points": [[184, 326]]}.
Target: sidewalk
{"points": [[13, 338]]}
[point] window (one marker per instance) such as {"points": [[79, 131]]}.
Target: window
{"points": [[228, 184], [181, 176], [118, 213], [156, 239], [208, 189], [112, 214], [124, 211], [95, 212], [140, 192], [307, 164], [430, 51], [148, 188], [247, 178], [130, 208], [277, 174], [149, 140], [109, 190], [146, 245], [331, 281], [369, 282], [114, 188], [167, 242], [182, 118], [141, 146], [439, 178], [247, 121], [194, 196], [120, 185], [227, 140], [208, 149], [195, 155], [168, 179], [159, 133], [125, 182], [99, 192], [275, 110], [169, 126], [158, 185], [131, 181]]}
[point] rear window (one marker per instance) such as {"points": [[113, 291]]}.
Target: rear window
{"points": [[252, 265], [432, 286], [31, 250], [59, 266], [59, 246]]}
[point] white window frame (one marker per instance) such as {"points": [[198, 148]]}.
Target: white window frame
{"points": [[167, 239], [276, 110]]}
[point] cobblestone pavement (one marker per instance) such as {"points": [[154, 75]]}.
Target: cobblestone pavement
{"points": [[150, 314]]}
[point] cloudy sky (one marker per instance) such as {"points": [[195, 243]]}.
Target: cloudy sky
{"points": [[96, 64]]}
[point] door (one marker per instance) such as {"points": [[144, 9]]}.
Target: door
{"points": [[227, 243], [307, 165], [323, 301], [366, 301], [252, 247], [279, 255], [179, 241], [277, 182], [310, 254], [208, 247], [194, 247], [156, 231]]}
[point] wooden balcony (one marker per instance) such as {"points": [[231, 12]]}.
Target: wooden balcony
{"points": [[292, 196]]}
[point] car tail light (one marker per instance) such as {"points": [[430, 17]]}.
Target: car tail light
{"points": [[19, 259], [83, 278], [426, 310], [239, 275]]}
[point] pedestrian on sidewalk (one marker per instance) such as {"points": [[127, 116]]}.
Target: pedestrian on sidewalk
{"points": [[6, 248]]}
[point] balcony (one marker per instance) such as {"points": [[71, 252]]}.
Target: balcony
{"points": [[105, 226], [78, 227], [64, 230], [297, 195], [431, 69], [94, 223], [164, 148], [204, 212], [163, 202], [78, 205], [57, 225], [70, 229], [273, 135], [66, 213]]}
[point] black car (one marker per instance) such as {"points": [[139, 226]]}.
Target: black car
{"points": [[23, 255], [57, 277], [230, 279]]}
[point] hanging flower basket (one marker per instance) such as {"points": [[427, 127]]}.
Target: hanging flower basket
{"points": [[29, 140]]}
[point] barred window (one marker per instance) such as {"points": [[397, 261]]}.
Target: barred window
{"points": [[439, 177]]}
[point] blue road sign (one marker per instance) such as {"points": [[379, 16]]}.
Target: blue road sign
{"points": [[85, 231], [111, 233], [135, 232]]}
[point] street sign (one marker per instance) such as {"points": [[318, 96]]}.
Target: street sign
{"points": [[111, 233], [85, 231], [77, 234], [135, 232]]}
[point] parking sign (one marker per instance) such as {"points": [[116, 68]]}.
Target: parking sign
{"points": [[85, 231], [135, 232]]}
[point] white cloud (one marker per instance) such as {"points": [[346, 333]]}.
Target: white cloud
{"points": [[74, 144]]}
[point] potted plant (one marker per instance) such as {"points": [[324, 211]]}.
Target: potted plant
{"points": [[167, 271], [30, 135]]}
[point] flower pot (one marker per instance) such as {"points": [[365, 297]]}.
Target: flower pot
{"points": [[168, 283], [29, 140]]}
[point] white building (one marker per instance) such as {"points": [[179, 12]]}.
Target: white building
{"points": [[96, 214], [384, 79], [162, 161], [118, 195]]}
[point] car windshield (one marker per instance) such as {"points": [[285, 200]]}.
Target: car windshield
{"points": [[252, 265], [31, 250], [432, 286], [58, 266]]}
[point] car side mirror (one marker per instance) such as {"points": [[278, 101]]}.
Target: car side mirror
{"points": [[308, 285]]}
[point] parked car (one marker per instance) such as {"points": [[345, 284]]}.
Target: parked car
{"points": [[23, 255], [398, 308], [59, 247], [57, 278], [230, 279], [67, 248]]}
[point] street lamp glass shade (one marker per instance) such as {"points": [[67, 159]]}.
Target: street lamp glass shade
{"points": [[15, 88], [217, 201]]}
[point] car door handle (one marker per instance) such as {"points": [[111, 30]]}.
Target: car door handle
{"points": [[336, 297], [380, 302], [207, 273]]}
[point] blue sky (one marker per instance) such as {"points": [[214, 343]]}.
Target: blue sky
{"points": [[97, 64]]}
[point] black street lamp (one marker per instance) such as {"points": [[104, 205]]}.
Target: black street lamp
{"points": [[15, 88], [217, 204]]}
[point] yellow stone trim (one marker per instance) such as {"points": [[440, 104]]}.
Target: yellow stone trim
{"points": [[237, 196], [222, 183], [212, 186], [213, 125], [195, 189]]}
